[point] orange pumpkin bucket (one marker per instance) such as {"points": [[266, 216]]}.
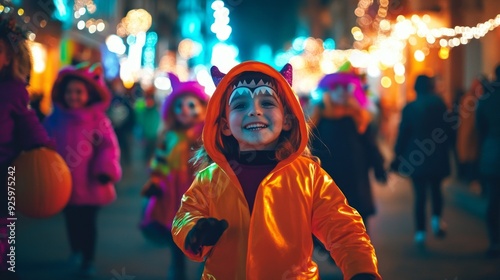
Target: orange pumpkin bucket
{"points": [[43, 183]]}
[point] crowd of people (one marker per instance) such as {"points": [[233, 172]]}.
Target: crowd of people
{"points": [[228, 171]]}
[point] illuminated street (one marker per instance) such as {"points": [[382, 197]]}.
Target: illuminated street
{"points": [[42, 248], [96, 90]]}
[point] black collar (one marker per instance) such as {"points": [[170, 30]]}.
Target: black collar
{"points": [[257, 158]]}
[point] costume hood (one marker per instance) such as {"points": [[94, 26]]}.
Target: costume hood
{"points": [[91, 74], [330, 81], [223, 81], [180, 88]]}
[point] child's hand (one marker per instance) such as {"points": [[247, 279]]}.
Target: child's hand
{"points": [[151, 190], [394, 166], [364, 276], [381, 176], [206, 232], [103, 178], [152, 187]]}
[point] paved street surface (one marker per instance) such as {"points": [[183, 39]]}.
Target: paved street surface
{"points": [[123, 254]]}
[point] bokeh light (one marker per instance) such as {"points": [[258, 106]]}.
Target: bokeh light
{"points": [[386, 82]]}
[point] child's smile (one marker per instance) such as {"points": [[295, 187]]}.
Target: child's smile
{"points": [[256, 126]]}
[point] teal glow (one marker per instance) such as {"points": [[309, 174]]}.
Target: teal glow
{"points": [[61, 12], [299, 44], [282, 58], [148, 56], [131, 39], [264, 53], [190, 25], [151, 38], [329, 44]]}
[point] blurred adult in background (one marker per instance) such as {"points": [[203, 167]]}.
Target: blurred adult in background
{"points": [[488, 127], [121, 114], [467, 146], [422, 153]]}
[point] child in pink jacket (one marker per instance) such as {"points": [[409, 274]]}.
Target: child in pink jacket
{"points": [[87, 142]]}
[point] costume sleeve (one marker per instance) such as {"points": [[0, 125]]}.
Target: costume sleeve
{"points": [[139, 110], [194, 206], [159, 163], [374, 155], [402, 139], [29, 132], [48, 125], [107, 151], [481, 122], [340, 228], [446, 126]]}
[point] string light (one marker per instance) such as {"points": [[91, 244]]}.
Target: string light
{"points": [[451, 37], [385, 49], [419, 55], [23, 18], [399, 79], [386, 46], [87, 7], [221, 26], [82, 6], [135, 22], [404, 28], [386, 82]]}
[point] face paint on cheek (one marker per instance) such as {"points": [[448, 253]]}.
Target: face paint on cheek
{"points": [[178, 109], [193, 109]]}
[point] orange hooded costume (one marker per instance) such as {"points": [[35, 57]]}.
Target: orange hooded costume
{"points": [[295, 199]]}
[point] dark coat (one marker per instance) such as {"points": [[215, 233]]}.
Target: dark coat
{"points": [[488, 126], [20, 128], [347, 156], [424, 139]]}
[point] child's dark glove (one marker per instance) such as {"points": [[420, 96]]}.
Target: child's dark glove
{"points": [[152, 187], [206, 232], [364, 276], [103, 178], [152, 190], [381, 176], [394, 167]]}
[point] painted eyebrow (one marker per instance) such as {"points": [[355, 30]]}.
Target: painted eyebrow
{"points": [[237, 98], [247, 95]]}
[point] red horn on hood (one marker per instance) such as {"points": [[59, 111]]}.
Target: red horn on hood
{"points": [[217, 75]]}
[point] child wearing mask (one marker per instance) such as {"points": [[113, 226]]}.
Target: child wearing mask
{"points": [[183, 116]]}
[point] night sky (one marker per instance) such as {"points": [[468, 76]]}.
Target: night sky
{"points": [[257, 22]]}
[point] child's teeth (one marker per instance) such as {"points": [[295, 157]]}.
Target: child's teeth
{"points": [[252, 126]]}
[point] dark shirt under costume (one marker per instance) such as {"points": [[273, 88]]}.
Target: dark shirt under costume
{"points": [[251, 168]]}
